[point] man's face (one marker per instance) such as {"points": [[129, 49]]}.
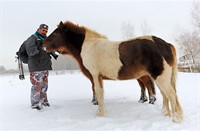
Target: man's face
{"points": [[43, 31]]}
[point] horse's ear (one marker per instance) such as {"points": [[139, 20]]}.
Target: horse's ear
{"points": [[61, 24]]}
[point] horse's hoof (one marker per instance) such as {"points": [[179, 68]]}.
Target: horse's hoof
{"points": [[100, 113], [142, 99], [94, 101], [177, 117], [152, 100], [165, 112]]}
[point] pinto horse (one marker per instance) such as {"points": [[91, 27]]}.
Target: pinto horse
{"points": [[135, 58]]}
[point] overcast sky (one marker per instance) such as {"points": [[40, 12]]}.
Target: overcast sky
{"points": [[20, 19]]}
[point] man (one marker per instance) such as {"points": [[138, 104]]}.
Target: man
{"points": [[39, 62]]}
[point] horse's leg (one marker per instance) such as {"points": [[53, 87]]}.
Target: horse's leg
{"points": [[146, 81], [165, 109], [98, 84], [89, 76], [164, 83], [151, 90], [170, 94], [94, 98], [167, 93], [143, 97]]}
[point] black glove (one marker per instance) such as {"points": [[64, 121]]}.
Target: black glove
{"points": [[54, 55]]}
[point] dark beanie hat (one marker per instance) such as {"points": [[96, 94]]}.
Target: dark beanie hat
{"points": [[43, 26]]}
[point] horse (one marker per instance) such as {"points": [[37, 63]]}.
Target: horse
{"points": [[102, 59]]}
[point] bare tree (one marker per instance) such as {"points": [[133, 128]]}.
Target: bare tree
{"points": [[196, 15], [2, 69], [189, 41], [145, 28], [127, 30], [188, 44]]}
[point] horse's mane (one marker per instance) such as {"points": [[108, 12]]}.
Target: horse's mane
{"points": [[82, 29], [95, 34]]}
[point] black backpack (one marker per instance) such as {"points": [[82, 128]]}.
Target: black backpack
{"points": [[22, 54]]}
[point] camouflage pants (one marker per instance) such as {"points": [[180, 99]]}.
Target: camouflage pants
{"points": [[39, 80]]}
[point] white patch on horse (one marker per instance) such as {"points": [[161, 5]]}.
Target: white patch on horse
{"points": [[103, 57], [166, 74]]}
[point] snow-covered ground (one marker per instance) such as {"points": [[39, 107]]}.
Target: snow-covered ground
{"points": [[71, 109]]}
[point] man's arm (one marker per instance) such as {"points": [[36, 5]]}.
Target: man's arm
{"points": [[31, 46]]}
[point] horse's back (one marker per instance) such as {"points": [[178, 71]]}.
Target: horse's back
{"points": [[144, 55]]}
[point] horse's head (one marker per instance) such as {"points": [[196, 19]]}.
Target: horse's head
{"points": [[56, 40], [67, 38]]}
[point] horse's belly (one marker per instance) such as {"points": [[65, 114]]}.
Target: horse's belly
{"points": [[110, 70], [106, 67]]}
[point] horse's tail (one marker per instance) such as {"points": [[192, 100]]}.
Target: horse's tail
{"points": [[174, 67], [169, 53]]}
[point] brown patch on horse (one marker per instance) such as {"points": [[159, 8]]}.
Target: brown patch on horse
{"points": [[74, 35], [145, 55], [126, 73], [100, 81]]}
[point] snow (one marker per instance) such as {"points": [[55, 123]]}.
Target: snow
{"points": [[71, 109]]}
